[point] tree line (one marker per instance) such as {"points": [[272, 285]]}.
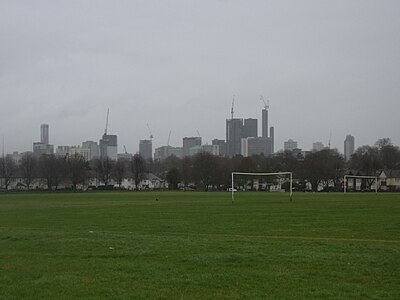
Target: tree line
{"points": [[203, 171]]}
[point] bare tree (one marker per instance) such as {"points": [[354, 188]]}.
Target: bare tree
{"points": [[119, 171], [28, 165], [206, 169], [138, 167], [52, 169], [7, 169], [104, 167], [77, 170]]}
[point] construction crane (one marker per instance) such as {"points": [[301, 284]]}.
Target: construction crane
{"points": [[126, 152], [169, 137], [233, 103], [329, 142], [105, 131], [151, 135], [266, 104]]}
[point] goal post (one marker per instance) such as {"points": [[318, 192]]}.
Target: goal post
{"points": [[359, 176], [262, 174]]}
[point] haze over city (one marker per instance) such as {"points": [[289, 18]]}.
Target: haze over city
{"points": [[327, 67]]}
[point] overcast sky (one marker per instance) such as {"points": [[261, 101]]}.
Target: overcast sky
{"points": [[326, 66]]}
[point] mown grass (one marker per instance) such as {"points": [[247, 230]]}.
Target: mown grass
{"points": [[199, 246]]}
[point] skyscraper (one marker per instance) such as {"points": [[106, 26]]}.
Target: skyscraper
{"points": [[146, 149], [271, 140], [264, 129], [108, 146], [44, 134], [234, 134], [250, 128], [348, 147]]}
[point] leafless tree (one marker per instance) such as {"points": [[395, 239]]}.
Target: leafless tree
{"points": [[104, 167], [52, 169], [138, 168], [119, 171], [7, 169], [77, 169], [28, 166]]}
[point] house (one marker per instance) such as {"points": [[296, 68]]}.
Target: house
{"points": [[389, 180]]}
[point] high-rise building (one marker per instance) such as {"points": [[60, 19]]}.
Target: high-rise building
{"points": [[234, 134], [94, 150], [109, 146], [189, 142], [348, 147], [146, 149], [44, 133], [254, 145], [290, 145], [264, 132], [264, 128], [250, 128], [221, 146], [272, 138]]}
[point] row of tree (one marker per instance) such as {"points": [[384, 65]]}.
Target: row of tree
{"points": [[205, 171], [74, 170]]}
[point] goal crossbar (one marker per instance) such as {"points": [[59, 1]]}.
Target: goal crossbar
{"points": [[262, 174], [359, 176]]}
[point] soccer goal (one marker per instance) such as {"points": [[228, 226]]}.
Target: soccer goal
{"points": [[359, 176], [235, 174]]}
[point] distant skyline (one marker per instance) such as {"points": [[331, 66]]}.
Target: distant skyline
{"points": [[326, 67]]}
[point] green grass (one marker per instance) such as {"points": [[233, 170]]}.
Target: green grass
{"points": [[199, 246]]}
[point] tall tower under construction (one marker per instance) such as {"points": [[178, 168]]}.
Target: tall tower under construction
{"points": [[269, 137]]}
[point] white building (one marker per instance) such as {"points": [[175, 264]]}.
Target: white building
{"points": [[212, 149], [317, 146], [94, 149], [83, 152], [289, 145]]}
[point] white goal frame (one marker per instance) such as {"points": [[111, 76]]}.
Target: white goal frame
{"points": [[262, 174], [359, 176]]}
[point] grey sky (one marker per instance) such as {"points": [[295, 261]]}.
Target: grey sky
{"points": [[326, 66]]}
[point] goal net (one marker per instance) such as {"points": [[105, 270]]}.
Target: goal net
{"points": [[287, 176], [371, 179]]}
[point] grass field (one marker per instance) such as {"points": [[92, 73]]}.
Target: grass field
{"points": [[199, 246]]}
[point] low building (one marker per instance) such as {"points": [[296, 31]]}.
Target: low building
{"points": [[40, 148], [389, 180], [290, 145], [163, 152]]}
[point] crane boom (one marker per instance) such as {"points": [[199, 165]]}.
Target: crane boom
{"points": [[151, 135], [329, 142], [169, 137], [233, 103], [105, 131], [266, 104]]}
